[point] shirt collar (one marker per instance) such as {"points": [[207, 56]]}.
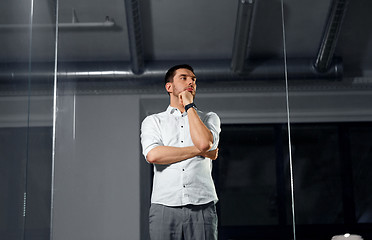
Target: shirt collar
{"points": [[172, 110]]}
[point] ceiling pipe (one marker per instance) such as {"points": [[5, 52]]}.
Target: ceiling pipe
{"points": [[243, 26], [206, 71], [61, 26], [135, 36], [331, 34]]}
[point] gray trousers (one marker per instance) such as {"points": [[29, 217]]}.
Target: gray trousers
{"points": [[190, 222]]}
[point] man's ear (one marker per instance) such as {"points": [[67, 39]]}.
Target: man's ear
{"points": [[168, 87]]}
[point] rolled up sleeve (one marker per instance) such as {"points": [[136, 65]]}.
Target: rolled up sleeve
{"points": [[150, 135], [213, 123]]}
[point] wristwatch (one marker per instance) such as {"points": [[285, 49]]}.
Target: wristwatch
{"points": [[191, 105]]}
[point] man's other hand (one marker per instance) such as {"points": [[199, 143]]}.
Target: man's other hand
{"points": [[211, 154]]}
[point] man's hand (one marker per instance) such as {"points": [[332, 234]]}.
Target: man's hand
{"points": [[211, 154], [185, 97]]}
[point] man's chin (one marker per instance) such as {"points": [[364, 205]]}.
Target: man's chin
{"points": [[193, 92]]}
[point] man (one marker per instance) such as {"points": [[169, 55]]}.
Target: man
{"points": [[181, 144]]}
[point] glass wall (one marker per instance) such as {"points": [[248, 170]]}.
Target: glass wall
{"points": [[27, 39], [97, 166], [330, 124], [330, 120], [252, 173]]}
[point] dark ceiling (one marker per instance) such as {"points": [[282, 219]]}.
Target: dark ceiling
{"points": [[216, 36]]}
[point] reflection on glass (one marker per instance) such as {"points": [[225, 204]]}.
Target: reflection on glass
{"points": [[331, 117], [14, 120], [12, 181], [25, 121]]}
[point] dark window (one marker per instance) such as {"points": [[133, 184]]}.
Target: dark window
{"points": [[332, 166]]}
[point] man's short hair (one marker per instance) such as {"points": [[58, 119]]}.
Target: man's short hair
{"points": [[172, 71]]}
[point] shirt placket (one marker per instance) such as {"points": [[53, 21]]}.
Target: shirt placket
{"points": [[184, 174], [181, 127]]}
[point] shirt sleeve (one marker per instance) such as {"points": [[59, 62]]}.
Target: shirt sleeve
{"points": [[213, 123], [150, 135]]}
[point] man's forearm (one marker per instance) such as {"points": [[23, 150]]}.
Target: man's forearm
{"points": [[169, 155], [201, 136]]}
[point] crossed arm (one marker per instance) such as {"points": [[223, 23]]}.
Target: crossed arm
{"points": [[169, 155], [201, 137]]}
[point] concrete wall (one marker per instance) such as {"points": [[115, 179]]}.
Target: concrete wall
{"points": [[96, 188]]}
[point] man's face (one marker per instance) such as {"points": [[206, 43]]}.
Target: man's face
{"points": [[183, 79]]}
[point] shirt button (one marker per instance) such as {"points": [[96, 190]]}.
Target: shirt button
{"points": [[181, 126], [181, 141], [184, 186], [183, 169]]}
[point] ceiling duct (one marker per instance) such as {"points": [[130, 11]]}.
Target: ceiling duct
{"points": [[330, 36], [135, 36], [243, 26]]}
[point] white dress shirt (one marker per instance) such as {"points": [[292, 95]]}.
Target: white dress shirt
{"points": [[185, 182]]}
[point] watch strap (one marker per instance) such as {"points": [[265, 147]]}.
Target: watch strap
{"points": [[188, 106]]}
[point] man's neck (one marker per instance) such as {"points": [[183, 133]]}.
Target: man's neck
{"points": [[176, 104]]}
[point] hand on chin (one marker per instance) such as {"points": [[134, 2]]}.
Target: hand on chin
{"points": [[185, 97]]}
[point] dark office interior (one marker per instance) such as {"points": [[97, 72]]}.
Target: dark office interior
{"points": [[290, 80]]}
